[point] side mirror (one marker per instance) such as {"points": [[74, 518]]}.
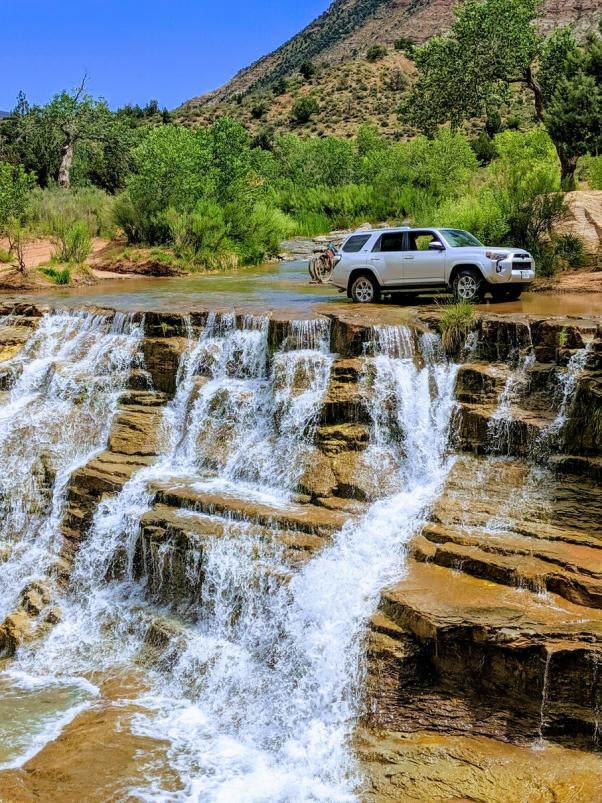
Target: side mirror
{"points": [[436, 246]]}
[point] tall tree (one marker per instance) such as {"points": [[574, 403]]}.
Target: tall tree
{"points": [[73, 127], [493, 45]]}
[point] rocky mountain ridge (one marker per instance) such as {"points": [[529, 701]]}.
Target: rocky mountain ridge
{"points": [[348, 27]]}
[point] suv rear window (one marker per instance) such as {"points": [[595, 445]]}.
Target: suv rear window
{"points": [[356, 243], [390, 242]]}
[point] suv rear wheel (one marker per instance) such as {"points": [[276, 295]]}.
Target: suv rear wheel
{"points": [[468, 285], [365, 290]]}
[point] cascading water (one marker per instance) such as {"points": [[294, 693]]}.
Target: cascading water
{"points": [[566, 392], [263, 687], [289, 654], [57, 413], [66, 383], [499, 429]]}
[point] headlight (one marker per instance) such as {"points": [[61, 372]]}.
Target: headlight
{"points": [[495, 256]]}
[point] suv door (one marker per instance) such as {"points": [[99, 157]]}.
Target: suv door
{"points": [[387, 257], [421, 265]]}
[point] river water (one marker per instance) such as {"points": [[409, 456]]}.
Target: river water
{"points": [[280, 286]]}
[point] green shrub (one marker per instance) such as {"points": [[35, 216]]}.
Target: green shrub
{"points": [[304, 109], [199, 236], [89, 204], [259, 109], [15, 185], [62, 276], [406, 46], [5, 256], [570, 252], [593, 171], [73, 241], [280, 86], [484, 148], [376, 53], [455, 324], [308, 69]]}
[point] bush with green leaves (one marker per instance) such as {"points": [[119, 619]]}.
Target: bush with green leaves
{"points": [[592, 169], [15, 201], [62, 276], [203, 192], [405, 45], [376, 53], [304, 109], [72, 240], [89, 204], [308, 69], [570, 251]]}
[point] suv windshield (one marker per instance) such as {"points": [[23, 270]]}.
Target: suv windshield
{"points": [[460, 239]]}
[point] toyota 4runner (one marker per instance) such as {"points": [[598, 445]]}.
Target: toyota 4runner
{"points": [[403, 260]]}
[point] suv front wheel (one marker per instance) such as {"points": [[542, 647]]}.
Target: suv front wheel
{"points": [[365, 290], [468, 285]]}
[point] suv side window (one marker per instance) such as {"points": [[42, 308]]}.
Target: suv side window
{"points": [[419, 240], [356, 243], [392, 241]]}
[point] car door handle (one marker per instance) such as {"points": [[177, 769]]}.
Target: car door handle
{"points": [[408, 257], [375, 259]]}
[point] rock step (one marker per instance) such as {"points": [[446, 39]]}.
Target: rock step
{"points": [[290, 516], [523, 563], [186, 529], [523, 429], [449, 651], [510, 495], [171, 551], [432, 601], [435, 766]]}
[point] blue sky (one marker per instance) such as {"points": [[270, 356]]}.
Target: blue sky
{"points": [[135, 50]]}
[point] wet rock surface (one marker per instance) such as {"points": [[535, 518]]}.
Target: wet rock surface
{"points": [[492, 642]]}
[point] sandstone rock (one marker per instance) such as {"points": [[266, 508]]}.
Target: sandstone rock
{"points": [[162, 358], [335, 438], [585, 218], [441, 768], [304, 518], [135, 431], [318, 477]]}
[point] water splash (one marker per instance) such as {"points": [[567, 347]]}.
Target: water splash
{"points": [[289, 654], [499, 428], [263, 687], [58, 413]]}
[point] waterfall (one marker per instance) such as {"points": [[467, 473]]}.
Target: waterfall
{"points": [[263, 687], [567, 385], [67, 381], [289, 654], [500, 424]]}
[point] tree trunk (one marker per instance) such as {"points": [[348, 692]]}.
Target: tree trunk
{"points": [[64, 178], [568, 164], [535, 87], [568, 168]]}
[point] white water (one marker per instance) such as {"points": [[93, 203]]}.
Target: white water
{"points": [[261, 701], [567, 386], [56, 415], [500, 424]]}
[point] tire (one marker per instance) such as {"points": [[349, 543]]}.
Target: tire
{"points": [[468, 285], [365, 289]]}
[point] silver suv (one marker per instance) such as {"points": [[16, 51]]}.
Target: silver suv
{"points": [[403, 260]]}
